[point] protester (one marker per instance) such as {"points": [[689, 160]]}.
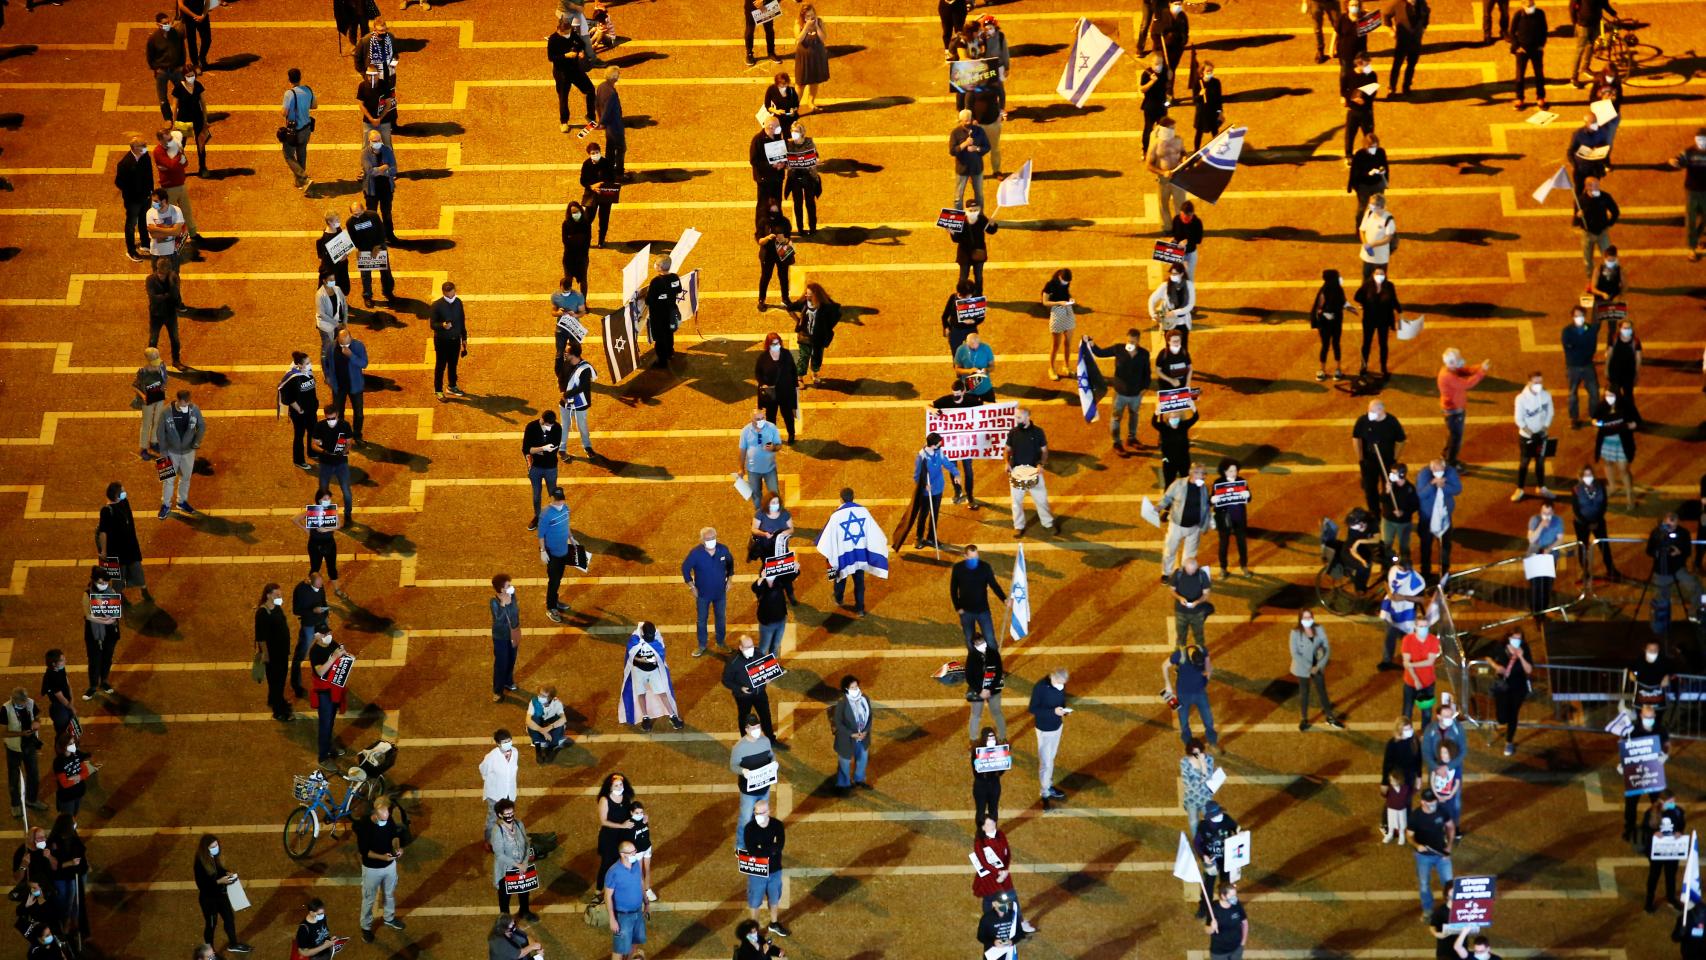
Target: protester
{"points": [[992, 861], [623, 889], [1228, 927], [1437, 488], [648, 692], [547, 724], [1515, 671], [1432, 836], [985, 784], [1441, 734], [1327, 317], [213, 884], [1420, 650], [1209, 842], [1173, 436], [751, 755], [1191, 690], [706, 571], [1048, 708], [1309, 655], [1589, 502], [850, 719], [1195, 769], [1455, 379], [1131, 379], [985, 678], [499, 770], [1186, 507], [750, 698], [1615, 421]]}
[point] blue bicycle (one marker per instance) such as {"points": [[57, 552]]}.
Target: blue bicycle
{"points": [[302, 827]]}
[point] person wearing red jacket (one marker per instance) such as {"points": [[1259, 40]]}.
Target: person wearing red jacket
{"points": [[993, 860], [329, 698], [1455, 378]]}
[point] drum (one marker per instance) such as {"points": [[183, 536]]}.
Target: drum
{"points": [[1023, 477]]}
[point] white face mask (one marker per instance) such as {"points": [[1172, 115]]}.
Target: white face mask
{"points": [[1611, 398], [1652, 657], [331, 421], [509, 589], [167, 26], [1172, 421], [1131, 348], [1593, 128], [1578, 319], [752, 938], [1058, 684], [1307, 622], [980, 646], [1446, 723], [1379, 279], [1176, 277], [382, 821], [593, 157], [1395, 477], [1218, 817], [506, 745], [327, 501], [972, 215], [1516, 643], [278, 601], [41, 844], [189, 80], [1587, 479], [1536, 389], [1208, 75], [762, 820], [1646, 723], [798, 136], [376, 145], [1406, 733], [172, 148], [1372, 149], [576, 216], [1197, 481], [71, 749], [100, 586], [711, 545]]}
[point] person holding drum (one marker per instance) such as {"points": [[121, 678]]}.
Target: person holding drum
{"points": [[1027, 454]]}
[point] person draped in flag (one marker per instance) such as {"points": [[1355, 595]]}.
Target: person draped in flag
{"points": [[647, 690], [851, 544]]}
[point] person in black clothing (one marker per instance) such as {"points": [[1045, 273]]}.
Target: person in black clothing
{"points": [[1399, 504], [1690, 932], [663, 312], [1607, 287], [767, 174], [308, 603], [1409, 22], [298, 395], [1370, 175], [568, 69], [748, 7], [332, 438], [367, 232], [165, 53], [1669, 547], [135, 183], [1173, 364], [1171, 33], [972, 249], [1380, 309], [338, 269], [1210, 112], [969, 585], [115, 538], [577, 244], [1174, 437], [1528, 32], [803, 183], [1647, 724], [815, 319], [985, 787], [954, 328], [959, 398], [782, 100], [1359, 105], [1327, 316], [1213, 830], [193, 111], [1232, 520], [1378, 439], [1131, 379], [1515, 666], [164, 303], [313, 938], [601, 183], [541, 441], [449, 339], [1596, 213], [193, 16], [1348, 44], [212, 887], [1227, 926], [1187, 228], [1000, 924], [1153, 84], [749, 700], [1664, 818], [774, 237], [778, 380], [272, 645]]}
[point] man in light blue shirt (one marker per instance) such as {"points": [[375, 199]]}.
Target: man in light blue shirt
{"points": [[299, 127], [625, 898], [759, 442]]}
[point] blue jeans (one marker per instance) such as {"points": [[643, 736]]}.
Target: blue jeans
{"points": [[503, 664], [704, 603], [538, 475], [1453, 808], [328, 713], [340, 471], [854, 764], [630, 932], [769, 636], [858, 579], [758, 479], [984, 620], [554, 739], [1200, 702], [1453, 435], [747, 802], [1438, 864]]}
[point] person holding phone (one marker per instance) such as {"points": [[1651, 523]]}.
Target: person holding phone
{"points": [[213, 891]]}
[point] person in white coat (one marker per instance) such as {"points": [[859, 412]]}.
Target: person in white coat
{"points": [[331, 311], [498, 775], [1309, 655], [1533, 419]]}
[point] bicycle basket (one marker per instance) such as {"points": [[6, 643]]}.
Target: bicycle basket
{"points": [[306, 789]]}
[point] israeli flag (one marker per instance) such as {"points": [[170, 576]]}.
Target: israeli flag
{"points": [[1019, 621], [1091, 57], [1691, 871]]}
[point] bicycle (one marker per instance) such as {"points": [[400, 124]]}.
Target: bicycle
{"points": [[1618, 46], [314, 794]]}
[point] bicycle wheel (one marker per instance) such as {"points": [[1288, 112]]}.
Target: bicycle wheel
{"points": [[1334, 591], [301, 831]]}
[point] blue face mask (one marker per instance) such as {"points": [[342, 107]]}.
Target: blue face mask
{"points": [[123, 496], [971, 563]]}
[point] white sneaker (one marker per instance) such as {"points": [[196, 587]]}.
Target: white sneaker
{"points": [[650, 896]]}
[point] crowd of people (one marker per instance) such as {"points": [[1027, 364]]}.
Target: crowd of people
{"points": [[1422, 777]]}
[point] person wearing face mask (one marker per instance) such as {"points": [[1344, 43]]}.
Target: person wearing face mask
{"points": [[1533, 418], [1409, 21], [850, 718], [1195, 769], [1437, 488], [1210, 113], [1670, 549], [1348, 41], [272, 647], [100, 633], [1646, 724], [506, 635], [811, 56], [56, 691], [313, 936], [1545, 529], [803, 182], [1161, 158], [815, 319], [135, 182], [1228, 927], [972, 245], [772, 612], [1580, 341], [449, 339], [568, 308], [1402, 759], [648, 690], [1607, 286], [987, 101], [1589, 502], [1209, 842], [782, 101], [992, 861], [1170, 33], [541, 441], [115, 540], [1049, 711], [1131, 378], [1370, 175], [767, 524], [706, 570], [328, 698], [165, 303], [985, 784], [1664, 818], [932, 472], [1171, 305], [499, 771], [623, 890], [331, 311], [759, 442], [35, 911], [377, 101], [1596, 214], [1187, 229], [1310, 652], [344, 362], [192, 109], [166, 57], [967, 143], [1692, 161], [662, 310], [332, 439], [33, 864], [985, 679], [182, 429], [1358, 101], [753, 751], [1399, 505], [998, 930], [1445, 731], [1615, 421], [379, 838], [609, 103], [556, 541], [777, 374], [1378, 232], [547, 723], [170, 172], [1455, 379], [1623, 362], [23, 746], [168, 233], [367, 231], [46, 945], [767, 174], [969, 584], [298, 113], [765, 838], [379, 180], [338, 268], [1480, 948], [1431, 835], [1418, 652], [615, 802], [1027, 447], [749, 699], [299, 396], [1173, 433], [752, 940], [1445, 779], [1515, 671], [512, 854], [377, 53], [71, 772], [577, 238], [213, 885], [1528, 31], [1231, 514], [1153, 85], [569, 56], [1186, 504]]}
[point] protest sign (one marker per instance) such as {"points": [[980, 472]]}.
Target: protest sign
{"points": [[763, 670], [978, 433], [1471, 903], [1643, 766]]}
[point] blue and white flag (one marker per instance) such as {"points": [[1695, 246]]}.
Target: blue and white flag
{"points": [[1015, 191], [690, 283], [1207, 174], [1091, 386], [1091, 57], [1019, 619], [851, 541], [1691, 871]]}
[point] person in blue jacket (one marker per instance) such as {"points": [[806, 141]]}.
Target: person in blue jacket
{"points": [[706, 570], [1437, 487]]}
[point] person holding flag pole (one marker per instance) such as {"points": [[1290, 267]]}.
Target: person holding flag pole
{"points": [[1186, 868]]}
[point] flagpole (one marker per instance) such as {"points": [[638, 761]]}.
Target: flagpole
{"points": [[935, 523]]}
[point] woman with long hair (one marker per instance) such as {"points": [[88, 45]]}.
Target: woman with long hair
{"points": [[1057, 300], [70, 871], [510, 854], [213, 891], [615, 796], [811, 57], [778, 382], [815, 318], [782, 101]]}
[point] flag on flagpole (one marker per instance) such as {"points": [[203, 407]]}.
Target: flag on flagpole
{"points": [[1185, 862], [691, 284], [1015, 191], [1691, 871], [620, 348], [1091, 57], [1206, 174], [1091, 386], [1019, 620], [1558, 181]]}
